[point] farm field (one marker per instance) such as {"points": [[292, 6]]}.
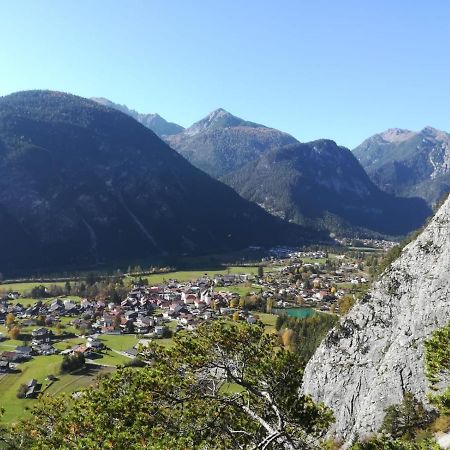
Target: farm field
{"points": [[26, 287], [182, 275], [187, 275], [39, 368]]}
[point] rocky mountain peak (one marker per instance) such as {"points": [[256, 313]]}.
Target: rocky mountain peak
{"points": [[396, 135], [376, 353], [218, 119], [221, 142], [435, 134]]}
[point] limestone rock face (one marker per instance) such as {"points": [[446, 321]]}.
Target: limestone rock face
{"points": [[376, 353]]}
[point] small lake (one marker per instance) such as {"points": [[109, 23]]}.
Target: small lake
{"points": [[301, 313]]}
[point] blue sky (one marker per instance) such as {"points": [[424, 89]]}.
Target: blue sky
{"points": [[320, 68]]}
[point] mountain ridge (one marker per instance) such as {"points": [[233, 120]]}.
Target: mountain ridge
{"points": [[322, 184], [153, 121]]}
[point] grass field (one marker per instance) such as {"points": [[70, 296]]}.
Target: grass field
{"points": [[188, 275], [39, 368], [42, 366], [72, 382], [110, 358], [269, 321], [307, 260], [119, 342], [241, 289], [26, 287], [184, 275], [27, 301]]}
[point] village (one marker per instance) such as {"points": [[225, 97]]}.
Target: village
{"points": [[108, 334]]}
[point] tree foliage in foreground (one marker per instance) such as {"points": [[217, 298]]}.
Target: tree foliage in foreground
{"points": [[389, 443], [437, 367], [406, 419], [223, 386]]}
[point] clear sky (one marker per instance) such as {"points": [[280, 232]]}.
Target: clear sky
{"points": [[341, 69]]}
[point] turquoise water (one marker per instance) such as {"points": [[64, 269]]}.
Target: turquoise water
{"points": [[301, 313]]}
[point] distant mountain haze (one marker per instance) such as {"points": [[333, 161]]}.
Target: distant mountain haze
{"points": [[155, 122], [321, 184], [82, 184], [408, 163]]}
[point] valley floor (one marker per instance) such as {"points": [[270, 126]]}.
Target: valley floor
{"points": [[232, 289]]}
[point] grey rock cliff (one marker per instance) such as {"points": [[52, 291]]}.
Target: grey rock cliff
{"points": [[376, 353]]}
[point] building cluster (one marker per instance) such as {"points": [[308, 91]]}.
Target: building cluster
{"points": [[158, 311], [152, 312]]}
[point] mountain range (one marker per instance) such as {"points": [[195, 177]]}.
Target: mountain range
{"points": [[315, 184], [401, 162], [408, 163], [82, 184]]}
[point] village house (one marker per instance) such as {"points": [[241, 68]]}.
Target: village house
{"points": [[4, 366], [41, 335]]}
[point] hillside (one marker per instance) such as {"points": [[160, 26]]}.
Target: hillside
{"points": [[221, 143], [82, 184], [321, 184], [376, 354], [155, 122], [408, 163]]}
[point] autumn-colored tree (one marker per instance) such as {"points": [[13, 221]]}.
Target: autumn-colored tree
{"points": [[269, 305], [345, 304], [287, 338], [117, 321], [14, 332], [10, 320], [235, 316], [234, 302], [40, 320], [58, 328]]}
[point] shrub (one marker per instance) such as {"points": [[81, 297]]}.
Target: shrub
{"points": [[72, 362], [21, 391]]}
